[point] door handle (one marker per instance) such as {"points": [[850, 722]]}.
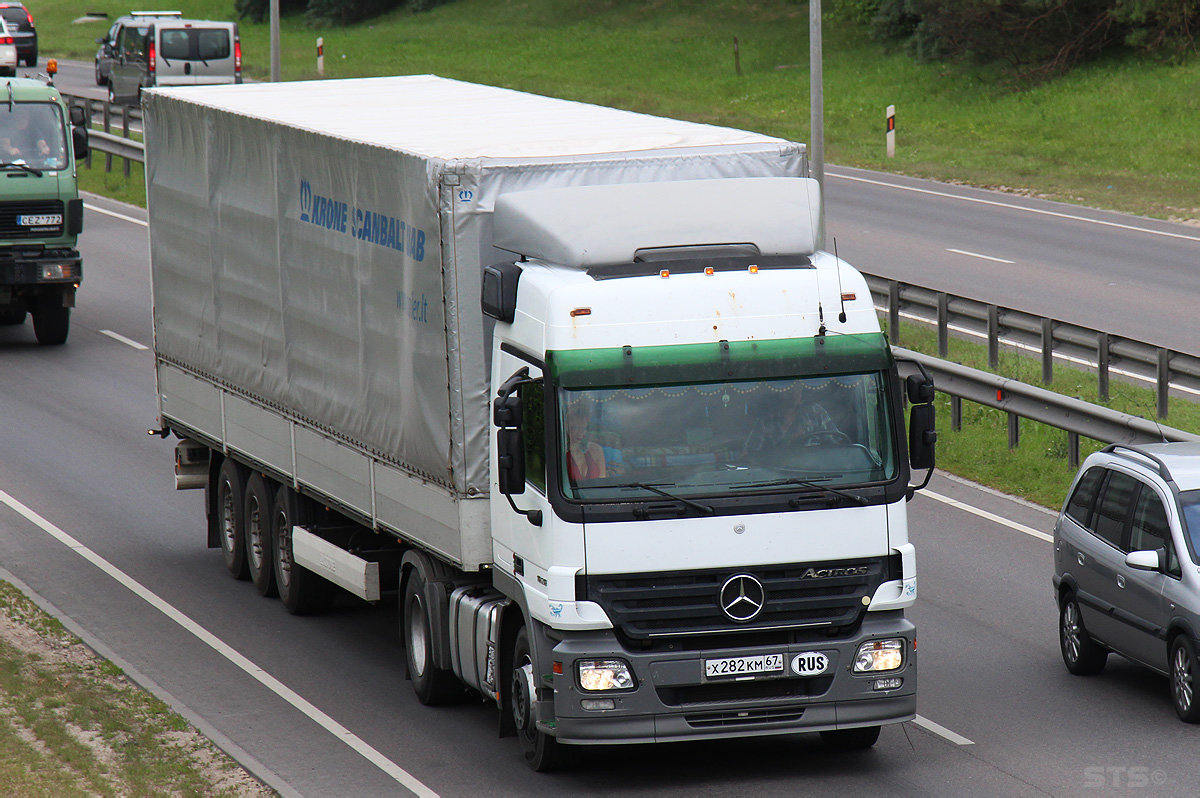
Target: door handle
{"points": [[1120, 581], [1080, 558]]}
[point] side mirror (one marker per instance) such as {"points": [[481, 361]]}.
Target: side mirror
{"points": [[506, 411], [78, 115], [1144, 560], [79, 140], [922, 435], [919, 388], [510, 460]]}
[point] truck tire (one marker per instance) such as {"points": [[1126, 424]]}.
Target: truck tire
{"points": [[258, 515], [301, 591], [542, 752], [231, 527], [51, 321], [433, 685]]}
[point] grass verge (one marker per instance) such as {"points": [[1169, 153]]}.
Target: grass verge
{"points": [[71, 723]]}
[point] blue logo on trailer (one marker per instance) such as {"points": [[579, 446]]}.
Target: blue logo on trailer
{"points": [[361, 223]]}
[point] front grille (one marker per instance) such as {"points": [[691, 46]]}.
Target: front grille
{"points": [[716, 693], [9, 211], [716, 720], [679, 605]]}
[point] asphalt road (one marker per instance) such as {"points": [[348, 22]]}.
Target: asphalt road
{"points": [[90, 522]]}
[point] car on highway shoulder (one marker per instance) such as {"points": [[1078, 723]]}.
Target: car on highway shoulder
{"points": [[1127, 565], [21, 28], [8, 52]]}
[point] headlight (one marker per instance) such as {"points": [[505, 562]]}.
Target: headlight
{"points": [[879, 655], [56, 271], [605, 674]]}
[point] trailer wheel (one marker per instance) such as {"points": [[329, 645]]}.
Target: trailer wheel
{"points": [[231, 500], [432, 685], [302, 591], [259, 547], [51, 321], [542, 752]]}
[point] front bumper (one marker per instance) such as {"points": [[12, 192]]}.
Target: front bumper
{"points": [[674, 701], [47, 268]]}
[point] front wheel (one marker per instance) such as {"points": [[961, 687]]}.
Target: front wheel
{"points": [[850, 739], [1183, 679], [51, 321], [542, 752], [432, 685], [112, 95], [1082, 655]]}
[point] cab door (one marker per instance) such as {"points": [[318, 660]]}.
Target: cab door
{"points": [[1098, 554], [1141, 606], [131, 69]]}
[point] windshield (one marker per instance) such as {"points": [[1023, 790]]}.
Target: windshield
{"points": [[32, 134], [726, 437]]}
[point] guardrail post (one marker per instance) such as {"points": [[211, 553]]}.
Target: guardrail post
{"points": [[87, 109], [1164, 380], [1102, 365], [125, 133], [107, 129], [943, 324], [1014, 430], [1047, 351], [956, 413], [1073, 449], [894, 311], [993, 336]]}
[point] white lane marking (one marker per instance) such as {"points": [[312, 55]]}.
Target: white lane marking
{"points": [[977, 255], [124, 340], [1011, 206], [1033, 533], [216, 644], [942, 731], [116, 215], [1079, 361]]}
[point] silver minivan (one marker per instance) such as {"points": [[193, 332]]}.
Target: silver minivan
{"points": [[159, 48], [1127, 565]]}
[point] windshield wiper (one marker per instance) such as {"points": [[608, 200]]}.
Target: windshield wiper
{"points": [[812, 486], [704, 508], [23, 167]]}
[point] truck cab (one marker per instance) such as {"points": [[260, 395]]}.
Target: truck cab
{"points": [[703, 449], [41, 214]]}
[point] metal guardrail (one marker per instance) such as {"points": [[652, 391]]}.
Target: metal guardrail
{"points": [[110, 118], [1046, 337], [1021, 400]]}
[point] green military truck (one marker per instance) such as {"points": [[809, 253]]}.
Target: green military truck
{"points": [[41, 213]]}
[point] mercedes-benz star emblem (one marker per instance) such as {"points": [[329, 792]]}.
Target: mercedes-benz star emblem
{"points": [[742, 597]]}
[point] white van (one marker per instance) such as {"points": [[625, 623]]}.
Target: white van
{"points": [[159, 48]]}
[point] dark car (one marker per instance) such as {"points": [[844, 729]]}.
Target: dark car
{"points": [[20, 27]]}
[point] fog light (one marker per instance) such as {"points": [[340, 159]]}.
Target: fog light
{"points": [[893, 683], [598, 703], [56, 271], [605, 674], [879, 655]]}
